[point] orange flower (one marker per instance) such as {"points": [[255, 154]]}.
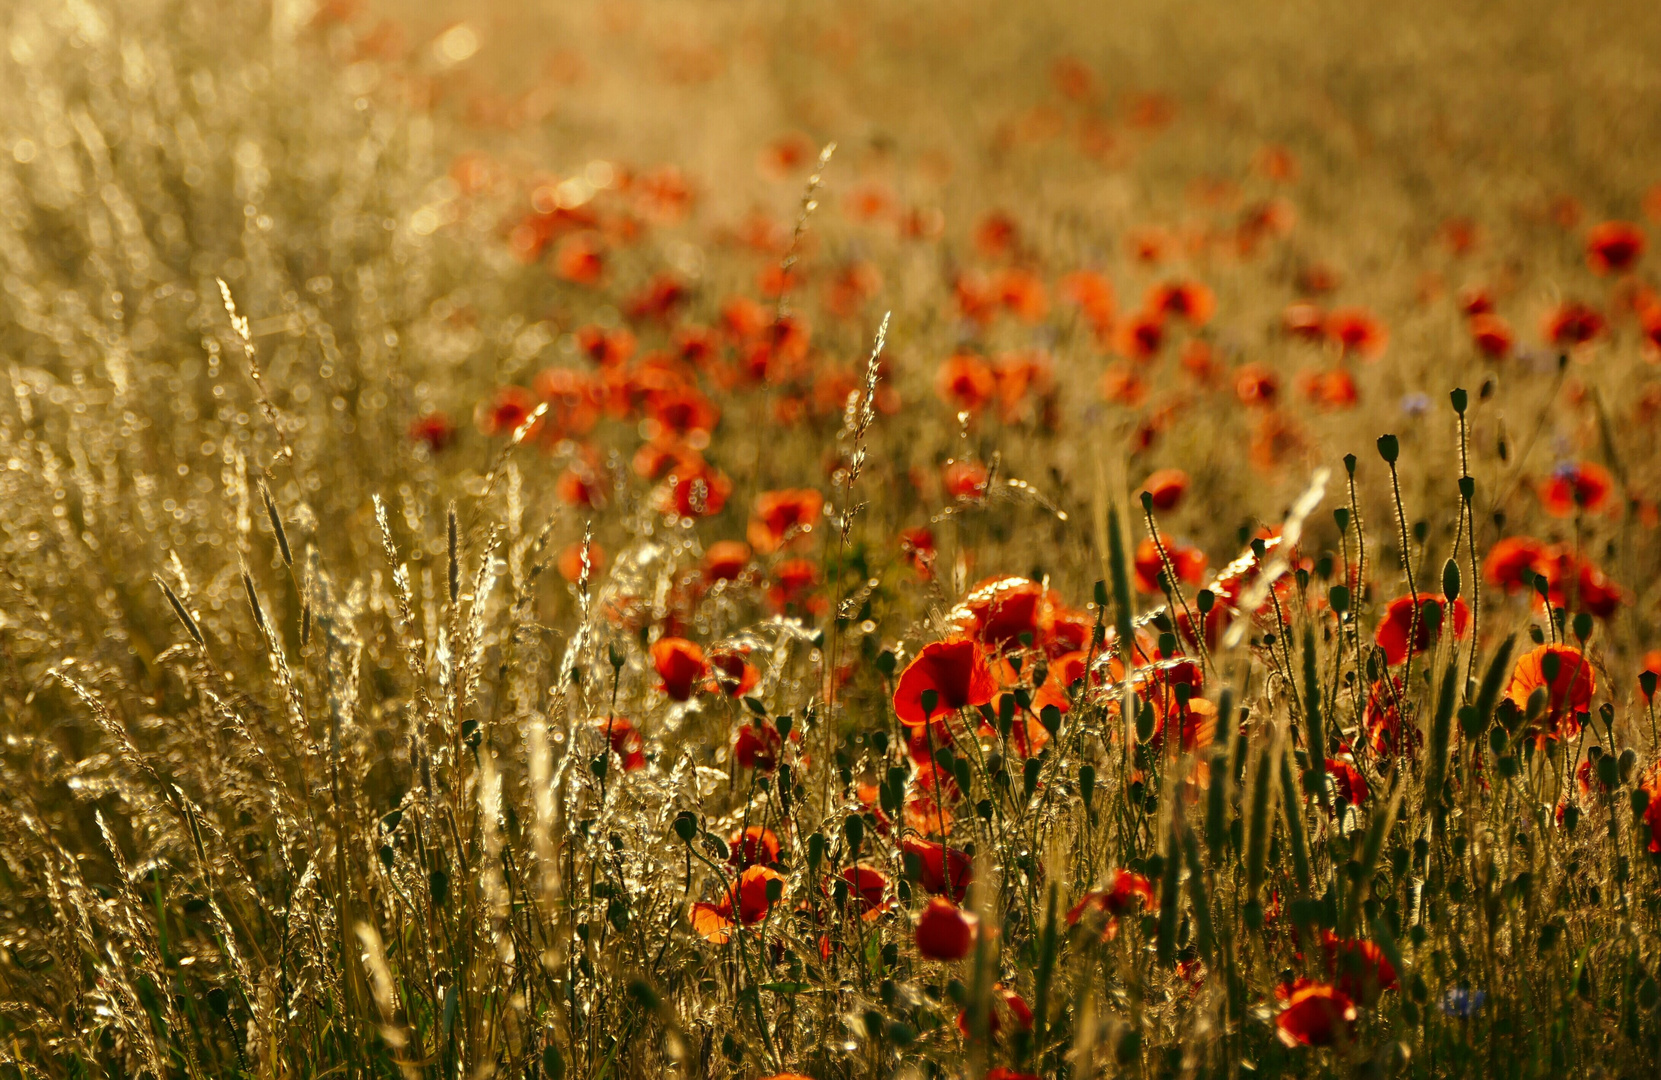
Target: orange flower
{"points": [[715, 921], [1393, 631], [1492, 335], [793, 583], [1021, 293], [580, 259], [944, 931], [755, 845], [1256, 385], [758, 746], [680, 411], [1140, 336], [1188, 562], [507, 411], [625, 741], [1303, 319], [1512, 562], [571, 562], [1166, 487], [434, 430], [1331, 389], [1358, 332], [1613, 246], [1122, 385], [1569, 686], [965, 479], [1005, 1003], [1093, 294], [1189, 300], [965, 381], [957, 673], [869, 888], [725, 560], [784, 518], [1576, 486], [605, 348], [680, 663], [1316, 1014], [731, 673], [1572, 323], [699, 491], [1382, 718], [941, 870], [917, 548], [1130, 894], [997, 235]]}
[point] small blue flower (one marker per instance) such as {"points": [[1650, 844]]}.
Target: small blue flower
{"points": [[1462, 1002], [1415, 404]]}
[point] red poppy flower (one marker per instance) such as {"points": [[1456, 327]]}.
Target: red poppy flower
{"points": [[571, 562], [997, 235], [1006, 1004], [1358, 332], [1572, 323], [944, 931], [1512, 562], [1398, 623], [1331, 390], [1576, 486], [1122, 384], [1358, 968], [793, 583], [758, 746], [1316, 1014], [725, 560], [680, 411], [1093, 294], [1130, 894], [1166, 487], [1613, 246], [1651, 783], [625, 741], [1492, 335], [1141, 336], [1347, 781], [755, 845], [434, 430], [731, 673], [965, 381], [965, 479], [1188, 300], [1255, 385], [715, 921], [1576, 583], [1568, 693], [784, 518], [581, 485], [680, 663], [605, 348], [507, 411], [1189, 563], [941, 870], [917, 547], [580, 259], [700, 491], [1382, 717], [955, 670], [869, 887]]}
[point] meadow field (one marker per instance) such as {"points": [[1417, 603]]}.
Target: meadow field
{"points": [[761, 541]]}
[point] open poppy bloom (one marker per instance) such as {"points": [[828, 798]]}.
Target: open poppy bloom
{"points": [[755, 845], [966, 382], [1398, 622], [784, 518], [957, 673], [1141, 336], [1565, 674], [1492, 335], [1613, 246], [1513, 562], [1005, 613], [917, 547], [731, 673], [1357, 332], [507, 412], [1007, 1006], [1577, 583], [725, 560], [571, 561], [945, 931], [758, 746], [1255, 385], [1332, 390], [1130, 894], [434, 430], [941, 870], [1382, 718], [1305, 320], [1572, 323], [1188, 300], [869, 889], [1651, 783], [715, 921], [625, 741], [794, 581], [1189, 563], [965, 479], [1358, 968], [681, 665], [1316, 1014], [1166, 487], [1347, 781], [1576, 486], [699, 491]]}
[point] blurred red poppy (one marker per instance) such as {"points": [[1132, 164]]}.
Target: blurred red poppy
{"points": [[625, 741], [1189, 563], [1166, 487], [784, 518], [944, 931], [1614, 246], [755, 845], [1572, 323], [965, 381], [1576, 486], [1358, 333], [680, 663], [434, 430], [941, 870], [1316, 1014], [1492, 335], [1397, 624]]}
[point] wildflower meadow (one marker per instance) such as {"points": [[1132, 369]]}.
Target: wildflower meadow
{"points": [[642, 538]]}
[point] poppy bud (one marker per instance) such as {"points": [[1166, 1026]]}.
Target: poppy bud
{"points": [[1389, 448], [1460, 400], [686, 826], [1450, 580]]}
